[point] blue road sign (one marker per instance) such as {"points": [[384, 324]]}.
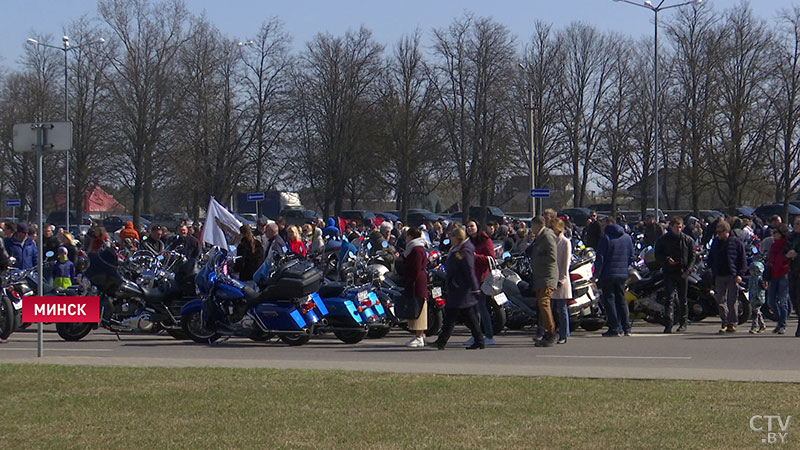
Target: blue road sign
{"points": [[255, 197], [540, 193], [13, 203]]}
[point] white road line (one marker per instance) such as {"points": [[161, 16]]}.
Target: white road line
{"points": [[614, 357], [50, 349]]}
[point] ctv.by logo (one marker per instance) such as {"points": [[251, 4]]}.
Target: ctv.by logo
{"points": [[773, 423]]}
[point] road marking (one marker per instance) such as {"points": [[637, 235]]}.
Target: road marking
{"points": [[614, 357], [49, 349]]}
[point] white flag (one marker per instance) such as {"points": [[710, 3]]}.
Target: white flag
{"points": [[221, 226]]}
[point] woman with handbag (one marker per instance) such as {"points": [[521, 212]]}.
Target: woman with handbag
{"points": [[415, 278], [462, 290], [484, 249], [778, 280]]}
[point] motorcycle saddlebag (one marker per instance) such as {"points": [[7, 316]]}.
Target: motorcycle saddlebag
{"points": [[295, 279]]}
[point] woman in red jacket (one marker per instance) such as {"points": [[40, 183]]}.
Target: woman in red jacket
{"points": [[415, 280], [296, 244], [778, 267], [484, 249]]}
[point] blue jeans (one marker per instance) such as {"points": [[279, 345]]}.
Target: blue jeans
{"points": [[559, 307], [614, 303], [485, 317], [777, 298]]}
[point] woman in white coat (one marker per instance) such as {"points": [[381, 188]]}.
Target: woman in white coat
{"points": [[563, 290]]}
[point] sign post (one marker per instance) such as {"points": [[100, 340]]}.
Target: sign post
{"points": [[539, 193], [13, 203], [255, 197], [38, 137]]}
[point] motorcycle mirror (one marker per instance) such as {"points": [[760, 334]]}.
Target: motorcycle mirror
{"points": [[12, 260], [446, 242], [755, 250], [285, 249], [384, 244], [369, 245], [506, 255], [160, 257], [49, 254]]}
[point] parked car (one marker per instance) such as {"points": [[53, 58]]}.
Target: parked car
{"points": [[606, 207], [299, 216], [417, 216], [59, 218], [388, 215], [245, 221], [358, 215], [764, 212], [577, 215], [114, 223], [492, 213]]}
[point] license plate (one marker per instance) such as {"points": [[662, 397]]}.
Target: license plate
{"points": [[436, 292], [500, 298]]}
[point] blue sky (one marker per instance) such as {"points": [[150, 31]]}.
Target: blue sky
{"points": [[388, 20]]}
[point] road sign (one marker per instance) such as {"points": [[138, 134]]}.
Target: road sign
{"points": [[540, 193], [13, 203], [57, 136], [255, 197]]}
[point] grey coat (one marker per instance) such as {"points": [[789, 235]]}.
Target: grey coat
{"points": [[544, 264]]}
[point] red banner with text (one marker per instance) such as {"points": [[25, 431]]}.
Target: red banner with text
{"points": [[60, 309]]}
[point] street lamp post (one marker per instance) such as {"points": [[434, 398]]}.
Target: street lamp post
{"points": [[532, 160], [65, 48], [656, 8]]}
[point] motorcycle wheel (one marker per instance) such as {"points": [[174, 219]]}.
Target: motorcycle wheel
{"points": [[73, 331], [177, 334], [745, 308], [7, 318], [498, 315], [295, 340], [350, 336], [592, 323], [260, 336], [193, 327], [435, 320], [377, 333]]}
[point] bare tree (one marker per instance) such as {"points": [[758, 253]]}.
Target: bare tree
{"points": [[266, 82], [784, 95], [586, 80], [743, 119], [696, 41], [145, 91], [471, 79], [334, 95], [544, 79], [612, 161], [407, 122]]}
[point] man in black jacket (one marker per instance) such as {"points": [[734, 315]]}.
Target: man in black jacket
{"points": [[793, 255], [675, 253]]}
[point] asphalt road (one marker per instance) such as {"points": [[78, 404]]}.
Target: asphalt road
{"points": [[699, 354]]}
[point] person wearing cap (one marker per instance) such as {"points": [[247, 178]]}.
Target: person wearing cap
{"points": [[63, 270], [21, 247]]}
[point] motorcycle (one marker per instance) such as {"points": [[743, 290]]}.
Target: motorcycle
{"points": [[150, 304], [284, 305]]}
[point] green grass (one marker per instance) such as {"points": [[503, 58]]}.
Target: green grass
{"points": [[107, 407]]}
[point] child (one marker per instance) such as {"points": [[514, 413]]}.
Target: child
{"points": [[756, 289], [63, 270]]}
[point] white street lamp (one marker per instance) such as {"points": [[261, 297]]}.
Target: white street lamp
{"points": [[649, 5], [65, 48], [530, 121]]}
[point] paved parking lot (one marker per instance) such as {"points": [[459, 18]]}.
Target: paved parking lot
{"points": [[697, 354]]}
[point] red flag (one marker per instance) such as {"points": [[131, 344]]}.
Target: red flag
{"points": [[378, 221], [342, 224]]}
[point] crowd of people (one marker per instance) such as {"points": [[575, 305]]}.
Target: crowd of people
{"points": [[548, 242]]}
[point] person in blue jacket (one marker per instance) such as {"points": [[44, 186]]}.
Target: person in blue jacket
{"points": [[614, 254], [23, 248]]}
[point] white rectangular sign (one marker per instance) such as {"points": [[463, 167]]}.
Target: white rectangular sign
{"points": [[57, 136]]}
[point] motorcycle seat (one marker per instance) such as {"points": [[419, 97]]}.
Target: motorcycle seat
{"points": [[331, 290], [250, 294]]}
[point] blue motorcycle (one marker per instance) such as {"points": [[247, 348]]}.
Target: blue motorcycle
{"points": [[283, 305]]}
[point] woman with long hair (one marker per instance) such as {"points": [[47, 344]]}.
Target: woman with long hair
{"points": [[296, 244], [66, 240], [484, 249], [99, 239], [251, 254]]}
